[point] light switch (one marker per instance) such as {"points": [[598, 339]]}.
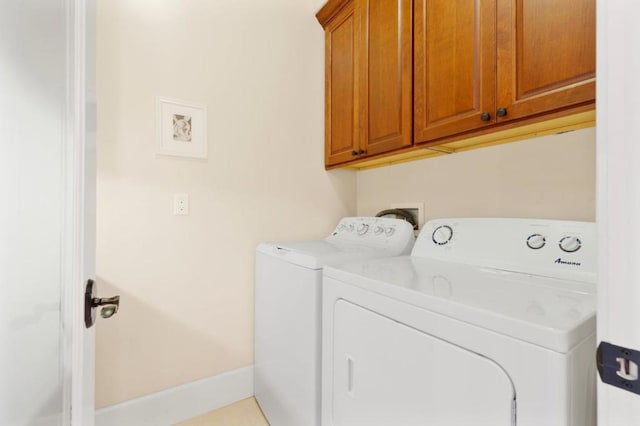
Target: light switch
{"points": [[181, 204]]}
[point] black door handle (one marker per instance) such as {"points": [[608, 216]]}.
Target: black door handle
{"points": [[110, 305]]}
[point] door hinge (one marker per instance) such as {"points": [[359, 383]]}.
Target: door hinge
{"points": [[618, 366]]}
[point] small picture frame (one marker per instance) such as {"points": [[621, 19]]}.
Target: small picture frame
{"points": [[181, 128]]}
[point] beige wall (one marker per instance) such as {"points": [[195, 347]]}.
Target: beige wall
{"points": [[549, 177], [187, 281], [316, 5]]}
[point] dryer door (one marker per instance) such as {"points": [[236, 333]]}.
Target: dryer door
{"points": [[387, 373]]}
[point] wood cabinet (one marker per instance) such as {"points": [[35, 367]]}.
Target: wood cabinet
{"points": [[546, 55], [491, 61], [455, 59], [368, 78], [386, 75], [342, 127], [404, 75]]}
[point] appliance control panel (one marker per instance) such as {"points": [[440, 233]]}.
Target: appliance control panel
{"points": [[552, 248], [377, 232]]}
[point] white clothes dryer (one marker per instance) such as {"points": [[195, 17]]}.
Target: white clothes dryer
{"points": [[289, 306], [490, 322]]}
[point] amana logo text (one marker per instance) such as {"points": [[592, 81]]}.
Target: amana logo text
{"points": [[564, 262]]}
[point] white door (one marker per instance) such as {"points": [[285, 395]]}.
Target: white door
{"points": [[47, 214], [618, 196], [387, 373]]}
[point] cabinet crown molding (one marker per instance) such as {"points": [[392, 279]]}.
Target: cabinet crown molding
{"points": [[329, 10]]}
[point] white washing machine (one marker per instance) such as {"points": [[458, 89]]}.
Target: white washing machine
{"points": [[289, 306], [489, 322]]}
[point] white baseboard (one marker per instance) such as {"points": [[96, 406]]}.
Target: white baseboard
{"points": [[180, 403]]}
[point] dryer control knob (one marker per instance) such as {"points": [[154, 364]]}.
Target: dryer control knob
{"points": [[442, 235], [363, 228], [536, 241], [570, 244], [389, 231], [377, 230]]}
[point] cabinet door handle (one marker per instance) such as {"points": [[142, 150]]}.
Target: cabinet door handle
{"points": [[354, 153], [501, 112], [485, 116], [361, 151]]}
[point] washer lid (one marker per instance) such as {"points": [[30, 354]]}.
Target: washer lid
{"points": [[553, 313], [316, 254]]}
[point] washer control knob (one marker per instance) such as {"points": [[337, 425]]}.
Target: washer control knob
{"points": [[351, 227], [341, 227], [377, 230], [570, 244], [363, 228], [389, 231], [442, 235], [536, 241]]}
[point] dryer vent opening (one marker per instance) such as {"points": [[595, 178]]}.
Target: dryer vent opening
{"points": [[406, 214]]}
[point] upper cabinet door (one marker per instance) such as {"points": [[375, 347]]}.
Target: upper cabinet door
{"points": [[546, 55], [386, 70], [342, 87], [454, 65]]}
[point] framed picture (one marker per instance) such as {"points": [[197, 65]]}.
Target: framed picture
{"points": [[181, 128]]}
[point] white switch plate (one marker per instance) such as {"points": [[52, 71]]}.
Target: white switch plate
{"points": [[181, 204]]}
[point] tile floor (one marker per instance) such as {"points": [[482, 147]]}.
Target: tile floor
{"points": [[242, 413]]}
